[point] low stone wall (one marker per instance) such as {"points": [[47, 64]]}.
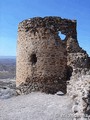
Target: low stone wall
{"points": [[78, 87], [79, 90]]}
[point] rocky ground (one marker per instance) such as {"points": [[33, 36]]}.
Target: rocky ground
{"points": [[34, 106], [7, 88]]}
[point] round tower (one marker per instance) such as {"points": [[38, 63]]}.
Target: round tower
{"points": [[41, 54]]}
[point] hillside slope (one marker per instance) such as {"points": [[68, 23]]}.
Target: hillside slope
{"points": [[7, 67]]}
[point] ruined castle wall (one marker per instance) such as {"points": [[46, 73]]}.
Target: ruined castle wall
{"points": [[42, 55], [48, 64], [78, 86]]}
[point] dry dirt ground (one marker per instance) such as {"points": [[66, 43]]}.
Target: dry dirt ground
{"points": [[34, 106]]}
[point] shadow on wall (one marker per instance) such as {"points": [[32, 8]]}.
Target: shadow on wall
{"points": [[60, 86], [68, 76], [69, 72]]}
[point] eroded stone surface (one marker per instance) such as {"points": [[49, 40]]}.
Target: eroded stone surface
{"points": [[42, 55], [49, 64]]}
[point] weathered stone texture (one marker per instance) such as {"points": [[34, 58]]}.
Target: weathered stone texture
{"points": [[78, 87], [49, 64], [38, 37]]}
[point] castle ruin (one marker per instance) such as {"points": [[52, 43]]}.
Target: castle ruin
{"points": [[42, 54], [49, 64], [44, 60]]}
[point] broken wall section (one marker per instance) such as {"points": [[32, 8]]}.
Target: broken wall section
{"points": [[42, 55]]}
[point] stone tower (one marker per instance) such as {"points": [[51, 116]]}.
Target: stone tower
{"points": [[49, 64], [42, 54]]}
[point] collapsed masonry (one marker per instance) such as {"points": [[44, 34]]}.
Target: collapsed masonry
{"points": [[42, 55], [47, 63]]}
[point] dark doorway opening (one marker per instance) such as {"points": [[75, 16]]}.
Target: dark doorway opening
{"points": [[33, 59]]}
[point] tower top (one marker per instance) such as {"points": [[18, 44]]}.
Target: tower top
{"points": [[55, 24]]}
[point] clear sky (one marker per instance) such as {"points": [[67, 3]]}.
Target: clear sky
{"points": [[14, 11]]}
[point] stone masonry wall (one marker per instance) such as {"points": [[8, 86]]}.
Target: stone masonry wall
{"points": [[42, 55], [49, 64], [78, 87]]}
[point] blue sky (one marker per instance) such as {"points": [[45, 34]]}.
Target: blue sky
{"points": [[14, 11]]}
